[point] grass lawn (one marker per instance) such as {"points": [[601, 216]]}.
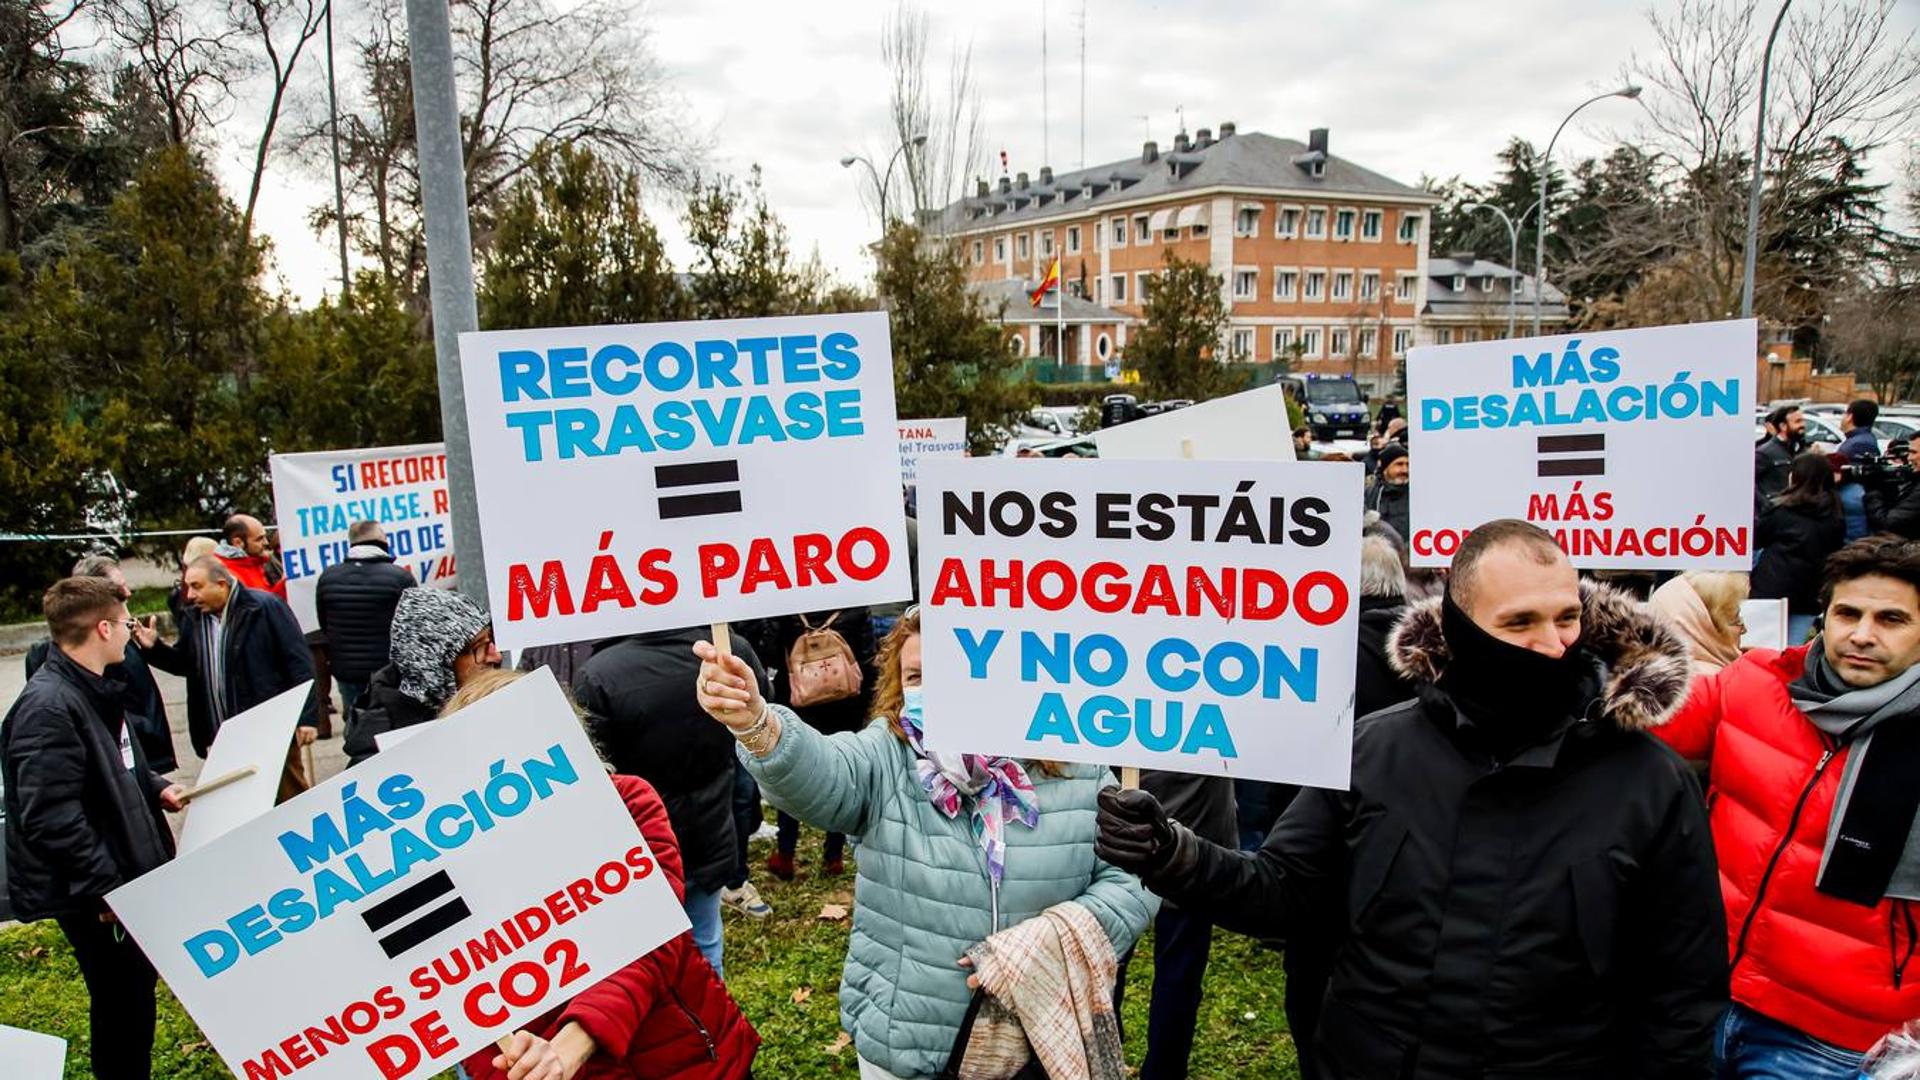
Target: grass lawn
{"points": [[784, 971]]}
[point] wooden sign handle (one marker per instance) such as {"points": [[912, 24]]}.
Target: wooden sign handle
{"points": [[723, 639], [217, 783], [1129, 777]]}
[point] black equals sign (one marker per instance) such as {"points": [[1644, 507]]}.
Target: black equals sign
{"points": [[698, 474], [408, 901], [1562, 465]]}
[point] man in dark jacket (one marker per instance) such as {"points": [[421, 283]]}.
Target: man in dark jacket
{"points": [[647, 725], [440, 640], [146, 709], [238, 648], [1525, 876], [354, 601], [1390, 495], [1773, 458], [1857, 425], [83, 814], [1383, 599]]}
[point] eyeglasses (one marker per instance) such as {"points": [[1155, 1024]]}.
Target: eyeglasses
{"points": [[132, 625]]}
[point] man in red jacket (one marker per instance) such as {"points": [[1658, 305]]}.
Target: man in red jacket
{"points": [[1813, 754], [244, 548]]}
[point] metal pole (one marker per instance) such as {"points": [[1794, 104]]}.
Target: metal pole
{"points": [[1544, 163], [443, 190], [1753, 190], [1513, 257], [339, 191]]}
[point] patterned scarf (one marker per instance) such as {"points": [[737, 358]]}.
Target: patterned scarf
{"points": [[996, 789]]}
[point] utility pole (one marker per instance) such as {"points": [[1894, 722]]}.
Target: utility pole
{"points": [[443, 190], [1759, 149], [339, 191]]}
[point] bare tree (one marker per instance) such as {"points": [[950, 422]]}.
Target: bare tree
{"points": [[185, 58], [936, 171], [281, 29]]}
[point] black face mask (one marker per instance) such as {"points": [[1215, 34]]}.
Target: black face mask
{"points": [[1514, 697]]}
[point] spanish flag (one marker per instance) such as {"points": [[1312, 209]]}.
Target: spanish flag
{"points": [[1049, 283]]}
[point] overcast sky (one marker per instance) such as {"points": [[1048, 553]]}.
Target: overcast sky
{"points": [[1406, 88]]}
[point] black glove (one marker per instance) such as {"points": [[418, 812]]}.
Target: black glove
{"points": [[1133, 832]]}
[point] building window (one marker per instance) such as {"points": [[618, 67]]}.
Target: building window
{"points": [[1245, 284], [1443, 336], [1242, 346], [1119, 288], [1370, 225], [1144, 286], [1246, 221], [1286, 222], [1073, 239], [1370, 285], [1403, 288], [1019, 345], [1369, 342], [1337, 341], [1409, 228], [1402, 341], [1310, 343], [1343, 285], [1046, 244], [1140, 232], [979, 252], [1286, 284], [1459, 283], [1316, 285], [1471, 335], [1103, 346], [1199, 231], [999, 249], [1119, 232], [1169, 235], [1343, 225], [1282, 341], [1486, 284], [1317, 223], [1021, 246]]}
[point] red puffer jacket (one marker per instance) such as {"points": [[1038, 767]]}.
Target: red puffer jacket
{"points": [[1833, 969], [663, 1016]]}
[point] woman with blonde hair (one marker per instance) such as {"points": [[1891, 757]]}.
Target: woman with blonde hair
{"points": [[954, 848], [1704, 607]]}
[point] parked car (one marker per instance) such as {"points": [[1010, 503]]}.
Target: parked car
{"points": [[1051, 421]]}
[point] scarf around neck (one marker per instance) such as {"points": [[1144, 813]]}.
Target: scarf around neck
{"points": [[1513, 698], [1873, 848], [995, 790]]}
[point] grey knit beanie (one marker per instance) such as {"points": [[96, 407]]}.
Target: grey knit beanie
{"points": [[430, 628]]}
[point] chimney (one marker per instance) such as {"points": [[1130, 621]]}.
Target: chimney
{"points": [[1464, 258], [1046, 176], [1150, 152], [1227, 129], [1181, 143], [1006, 185], [980, 188], [1020, 181], [1203, 138], [1317, 140]]}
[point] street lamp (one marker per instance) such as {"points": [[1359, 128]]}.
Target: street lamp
{"points": [[1540, 230], [1513, 257], [881, 184], [1753, 190]]}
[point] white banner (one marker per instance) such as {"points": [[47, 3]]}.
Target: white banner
{"points": [[1248, 426], [922, 439], [634, 478], [317, 497], [415, 908], [1195, 616], [1634, 448], [256, 739]]}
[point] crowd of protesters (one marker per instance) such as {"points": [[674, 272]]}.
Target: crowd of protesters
{"points": [[1588, 835]]}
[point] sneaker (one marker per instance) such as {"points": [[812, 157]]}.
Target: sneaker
{"points": [[746, 900], [780, 866], [767, 831]]}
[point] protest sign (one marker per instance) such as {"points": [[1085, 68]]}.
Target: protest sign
{"points": [[919, 439], [29, 1055], [257, 738], [1634, 448], [1196, 616], [1766, 624], [1248, 426], [317, 497], [413, 909], [634, 478]]}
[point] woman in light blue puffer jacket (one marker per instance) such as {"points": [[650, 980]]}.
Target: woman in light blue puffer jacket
{"points": [[952, 848]]}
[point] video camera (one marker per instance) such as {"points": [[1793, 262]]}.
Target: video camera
{"points": [[1892, 471]]}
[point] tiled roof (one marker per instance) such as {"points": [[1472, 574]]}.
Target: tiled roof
{"points": [[1443, 300], [1008, 297]]}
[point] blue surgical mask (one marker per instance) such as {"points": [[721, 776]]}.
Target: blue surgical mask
{"points": [[910, 707]]}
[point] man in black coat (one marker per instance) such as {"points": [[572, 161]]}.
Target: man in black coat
{"points": [[1773, 458], [354, 601], [1525, 878], [1383, 599], [1390, 496], [83, 814], [238, 648], [146, 709], [648, 725]]}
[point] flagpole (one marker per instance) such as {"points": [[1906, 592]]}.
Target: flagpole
{"points": [[1060, 319]]}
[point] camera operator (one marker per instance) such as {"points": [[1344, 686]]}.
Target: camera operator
{"points": [[1893, 498]]}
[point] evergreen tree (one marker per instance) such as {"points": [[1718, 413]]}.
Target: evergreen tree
{"points": [[1177, 352]]}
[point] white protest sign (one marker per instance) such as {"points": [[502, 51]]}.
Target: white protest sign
{"points": [[1766, 624], [318, 496], [258, 738], [1196, 616], [29, 1055], [921, 439], [1634, 448], [413, 909], [634, 478], [1248, 426]]}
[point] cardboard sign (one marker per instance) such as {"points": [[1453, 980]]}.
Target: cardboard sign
{"points": [[1766, 624], [317, 497], [1248, 426], [414, 908], [259, 738], [1195, 616], [29, 1055], [636, 478], [1634, 448]]}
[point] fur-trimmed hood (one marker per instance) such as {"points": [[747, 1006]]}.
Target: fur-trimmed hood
{"points": [[1648, 667]]}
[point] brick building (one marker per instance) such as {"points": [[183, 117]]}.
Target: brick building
{"points": [[1321, 261]]}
